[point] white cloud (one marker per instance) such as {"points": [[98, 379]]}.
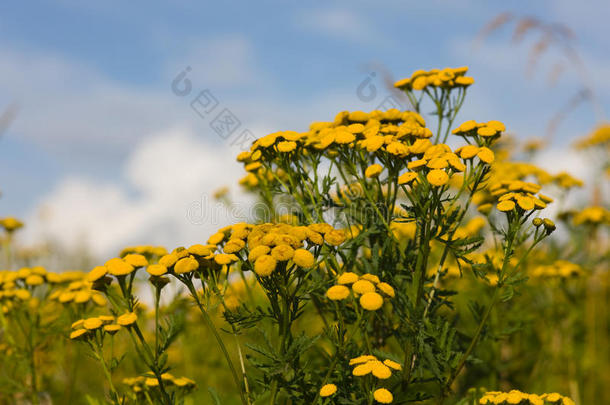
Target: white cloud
{"points": [[166, 198]]}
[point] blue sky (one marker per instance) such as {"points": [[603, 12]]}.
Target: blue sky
{"points": [[92, 81]]}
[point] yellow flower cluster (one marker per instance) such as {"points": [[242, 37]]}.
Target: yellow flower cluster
{"points": [[66, 287], [187, 260], [560, 268], [78, 292], [489, 129], [388, 132], [592, 216], [256, 172], [600, 136], [443, 78], [503, 171], [266, 245], [518, 397], [10, 224], [518, 194], [85, 328], [566, 180], [368, 287], [382, 370], [506, 170], [145, 250], [439, 163], [118, 267], [149, 381]]}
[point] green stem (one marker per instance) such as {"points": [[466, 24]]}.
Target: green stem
{"points": [[99, 354], [210, 324]]}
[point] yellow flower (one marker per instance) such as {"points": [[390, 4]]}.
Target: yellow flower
{"points": [[118, 267], [464, 81], [112, 329], [127, 319], [486, 155], [97, 273], [78, 333], [420, 83], [136, 260], [497, 125], [184, 382], [383, 396], [347, 278], [34, 279], [264, 265], [344, 137], [486, 131], [381, 371], [77, 324], [371, 301], [185, 265], [286, 146], [545, 199], [337, 292], [363, 287], [200, 250], [527, 203], [282, 253], [407, 177], [437, 177], [169, 260], [82, 296], [98, 299], [370, 277], [216, 238], [362, 359], [386, 289], [10, 224], [257, 252], [328, 390], [468, 151], [373, 170], [335, 237], [223, 258], [303, 258], [416, 164], [437, 163], [92, 323], [358, 116], [363, 369], [392, 364], [106, 318], [234, 246], [506, 205], [156, 269]]}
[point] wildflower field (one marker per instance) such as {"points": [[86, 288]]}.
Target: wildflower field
{"points": [[404, 257]]}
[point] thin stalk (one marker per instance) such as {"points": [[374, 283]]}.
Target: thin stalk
{"points": [[210, 324]]}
